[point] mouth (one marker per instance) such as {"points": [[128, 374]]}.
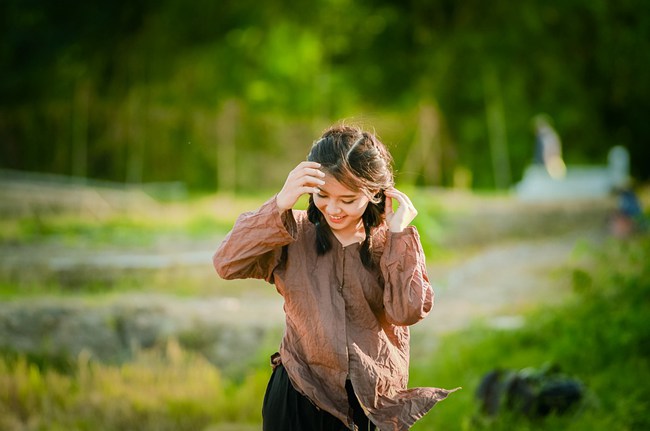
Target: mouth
{"points": [[335, 219]]}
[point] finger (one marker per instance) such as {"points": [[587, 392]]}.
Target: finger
{"points": [[314, 172], [308, 164], [394, 192], [304, 166], [401, 197], [309, 190], [307, 180]]}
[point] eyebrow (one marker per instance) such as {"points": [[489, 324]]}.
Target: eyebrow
{"points": [[342, 196]]}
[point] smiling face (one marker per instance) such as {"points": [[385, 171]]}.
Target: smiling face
{"points": [[341, 207]]}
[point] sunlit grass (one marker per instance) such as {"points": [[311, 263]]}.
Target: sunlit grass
{"points": [[196, 218], [89, 284], [447, 220], [174, 391], [599, 336]]}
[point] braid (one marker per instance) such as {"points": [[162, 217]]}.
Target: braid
{"points": [[372, 217], [366, 248]]}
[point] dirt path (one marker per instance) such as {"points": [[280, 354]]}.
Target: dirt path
{"points": [[500, 282]]}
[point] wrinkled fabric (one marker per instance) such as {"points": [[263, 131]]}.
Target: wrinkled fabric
{"points": [[343, 320]]}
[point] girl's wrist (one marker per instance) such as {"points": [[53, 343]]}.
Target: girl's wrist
{"points": [[279, 206]]}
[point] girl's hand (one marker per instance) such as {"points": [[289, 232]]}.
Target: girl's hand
{"points": [[397, 220], [305, 178]]}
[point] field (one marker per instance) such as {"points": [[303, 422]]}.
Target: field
{"points": [[112, 317]]}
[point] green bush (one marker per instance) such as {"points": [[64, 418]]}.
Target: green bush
{"points": [[600, 337]]}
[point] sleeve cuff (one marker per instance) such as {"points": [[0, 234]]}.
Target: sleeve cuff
{"points": [[283, 221]]}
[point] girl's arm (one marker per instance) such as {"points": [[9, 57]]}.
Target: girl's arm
{"points": [[408, 295], [253, 248]]}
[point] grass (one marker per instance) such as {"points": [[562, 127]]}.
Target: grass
{"points": [[98, 284], [600, 336], [174, 391], [171, 227], [195, 218]]}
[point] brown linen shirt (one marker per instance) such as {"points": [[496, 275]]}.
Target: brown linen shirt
{"points": [[343, 321]]}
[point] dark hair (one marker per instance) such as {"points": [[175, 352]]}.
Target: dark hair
{"points": [[359, 161]]}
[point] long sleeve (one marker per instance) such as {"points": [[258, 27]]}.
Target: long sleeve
{"points": [[408, 296], [253, 248]]}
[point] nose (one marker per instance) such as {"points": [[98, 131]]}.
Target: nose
{"points": [[332, 208]]}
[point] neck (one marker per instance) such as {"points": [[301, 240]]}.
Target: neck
{"points": [[351, 236]]}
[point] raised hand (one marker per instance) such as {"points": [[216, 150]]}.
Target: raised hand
{"points": [[304, 178], [404, 214]]}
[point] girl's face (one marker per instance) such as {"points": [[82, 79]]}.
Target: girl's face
{"points": [[341, 207]]}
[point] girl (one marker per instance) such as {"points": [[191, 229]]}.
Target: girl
{"points": [[353, 277]]}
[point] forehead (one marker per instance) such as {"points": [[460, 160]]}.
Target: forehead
{"points": [[334, 188]]}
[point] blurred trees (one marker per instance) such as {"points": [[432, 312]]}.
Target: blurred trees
{"points": [[230, 94]]}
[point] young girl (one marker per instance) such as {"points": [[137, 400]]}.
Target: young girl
{"points": [[353, 277]]}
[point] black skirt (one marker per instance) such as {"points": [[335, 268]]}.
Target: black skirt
{"points": [[285, 409]]}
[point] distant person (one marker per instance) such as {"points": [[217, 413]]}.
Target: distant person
{"points": [[548, 147], [353, 276], [628, 218]]}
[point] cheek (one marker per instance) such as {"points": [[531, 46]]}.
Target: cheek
{"points": [[359, 210], [364, 205]]}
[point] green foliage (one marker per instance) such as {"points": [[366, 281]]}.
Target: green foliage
{"points": [[600, 337], [201, 91], [429, 222]]}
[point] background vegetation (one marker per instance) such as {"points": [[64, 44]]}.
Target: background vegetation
{"points": [[604, 346], [229, 94]]}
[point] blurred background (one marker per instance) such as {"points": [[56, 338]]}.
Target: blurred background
{"points": [[132, 134]]}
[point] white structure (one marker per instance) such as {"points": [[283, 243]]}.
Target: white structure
{"points": [[580, 182]]}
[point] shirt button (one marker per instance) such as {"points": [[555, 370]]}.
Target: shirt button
{"points": [[341, 289]]}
